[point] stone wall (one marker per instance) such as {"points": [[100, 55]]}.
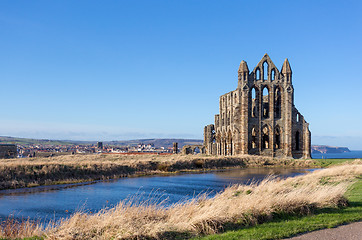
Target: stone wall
{"points": [[8, 151], [193, 149]]}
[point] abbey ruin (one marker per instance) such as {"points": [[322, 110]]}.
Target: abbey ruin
{"points": [[259, 117]]}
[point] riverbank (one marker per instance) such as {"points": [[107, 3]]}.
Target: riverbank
{"points": [[236, 207], [286, 226], [31, 172]]}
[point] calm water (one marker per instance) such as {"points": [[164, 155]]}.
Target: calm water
{"points": [[352, 154], [48, 203]]}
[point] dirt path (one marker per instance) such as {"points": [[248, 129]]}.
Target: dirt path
{"points": [[352, 231]]}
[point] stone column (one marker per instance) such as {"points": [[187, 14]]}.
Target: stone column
{"points": [[259, 97], [287, 106], [244, 120], [272, 122], [307, 142], [175, 148]]}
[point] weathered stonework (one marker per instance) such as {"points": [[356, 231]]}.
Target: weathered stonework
{"points": [[175, 148], [191, 149], [8, 151], [259, 117]]}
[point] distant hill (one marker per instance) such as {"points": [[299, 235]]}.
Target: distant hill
{"points": [[30, 141], [328, 149]]}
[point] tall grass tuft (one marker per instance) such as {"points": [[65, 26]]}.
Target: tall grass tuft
{"points": [[11, 228]]}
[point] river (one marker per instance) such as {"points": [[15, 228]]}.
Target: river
{"points": [[54, 202]]}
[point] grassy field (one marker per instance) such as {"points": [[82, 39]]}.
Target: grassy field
{"points": [[265, 205], [331, 162], [31, 172]]}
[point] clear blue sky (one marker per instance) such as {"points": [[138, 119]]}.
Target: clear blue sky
{"points": [[114, 70]]}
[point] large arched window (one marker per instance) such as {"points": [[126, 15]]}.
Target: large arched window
{"points": [[230, 144], [272, 74], [254, 103], [277, 137], [278, 103], [257, 73], [218, 142], [297, 141], [253, 138], [265, 71], [265, 105], [265, 138], [225, 147]]}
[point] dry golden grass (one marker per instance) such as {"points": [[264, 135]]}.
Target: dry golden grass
{"points": [[15, 229], [29, 172], [119, 158], [238, 204]]}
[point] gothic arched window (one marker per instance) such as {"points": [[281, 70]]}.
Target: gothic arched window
{"points": [[257, 73], [277, 103], [254, 102], [265, 71], [277, 137], [265, 101], [253, 138], [265, 138], [273, 74], [297, 141]]}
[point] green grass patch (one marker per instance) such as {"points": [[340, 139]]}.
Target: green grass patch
{"points": [[332, 162], [287, 226], [29, 238]]}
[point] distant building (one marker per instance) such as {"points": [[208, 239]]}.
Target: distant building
{"points": [[175, 148], [8, 151]]}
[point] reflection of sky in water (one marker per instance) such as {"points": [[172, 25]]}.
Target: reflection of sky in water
{"points": [[170, 189]]}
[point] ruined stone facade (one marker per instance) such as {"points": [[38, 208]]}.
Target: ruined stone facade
{"points": [[259, 117], [8, 151], [193, 149], [175, 148]]}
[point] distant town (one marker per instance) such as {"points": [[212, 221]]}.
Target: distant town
{"points": [[11, 147], [52, 150]]}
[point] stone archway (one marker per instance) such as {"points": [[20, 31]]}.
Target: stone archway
{"points": [[194, 149]]}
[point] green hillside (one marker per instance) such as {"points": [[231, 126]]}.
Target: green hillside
{"points": [[29, 141]]}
